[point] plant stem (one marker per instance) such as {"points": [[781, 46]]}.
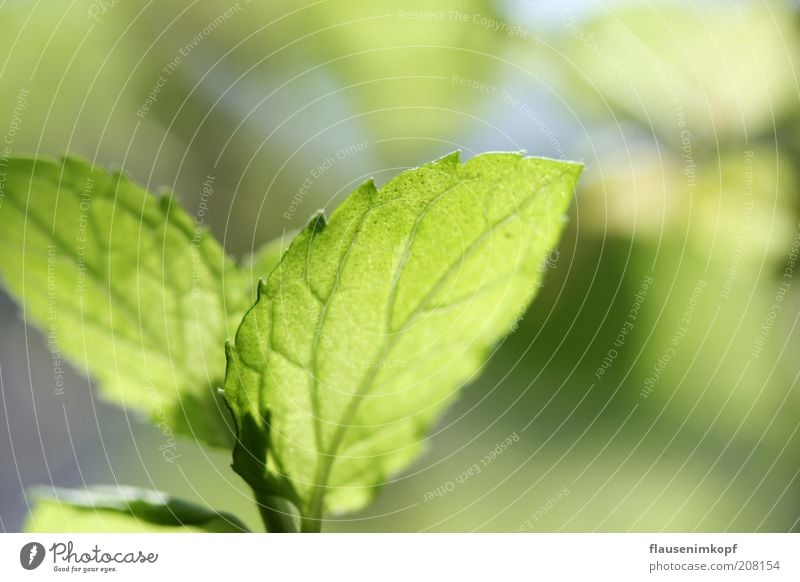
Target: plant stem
{"points": [[310, 525], [277, 514]]}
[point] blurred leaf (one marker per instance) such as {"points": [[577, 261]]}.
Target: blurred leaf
{"points": [[726, 223], [734, 204], [75, 85], [387, 64], [741, 211], [737, 385], [713, 73], [122, 510], [396, 59], [361, 336], [125, 285]]}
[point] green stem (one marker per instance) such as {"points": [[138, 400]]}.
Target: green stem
{"points": [[310, 525], [276, 513]]}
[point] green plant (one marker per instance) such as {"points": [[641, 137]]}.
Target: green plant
{"points": [[348, 348]]}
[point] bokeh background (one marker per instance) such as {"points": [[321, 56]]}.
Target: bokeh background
{"points": [[652, 386]]}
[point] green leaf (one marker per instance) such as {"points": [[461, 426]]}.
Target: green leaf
{"points": [[122, 510], [363, 333], [126, 286]]}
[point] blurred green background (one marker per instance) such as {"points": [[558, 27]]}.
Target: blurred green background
{"points": [[649, 387]]}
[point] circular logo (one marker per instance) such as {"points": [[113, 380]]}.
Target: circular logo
{"points": [[31, 555]]}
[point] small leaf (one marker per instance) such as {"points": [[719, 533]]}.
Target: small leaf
{"points": [[122, 510], [126, 286], [368, 326]]}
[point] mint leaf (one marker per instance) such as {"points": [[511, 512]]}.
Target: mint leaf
{"points": [[365, 330], [122, 510], [125, 286]]}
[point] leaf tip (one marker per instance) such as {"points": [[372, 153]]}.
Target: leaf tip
{"points": [[229, 350], [317, 222], [453, 160], [75, 162], [165, 200], [573, 170], [118, 174], [369, 186]]}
